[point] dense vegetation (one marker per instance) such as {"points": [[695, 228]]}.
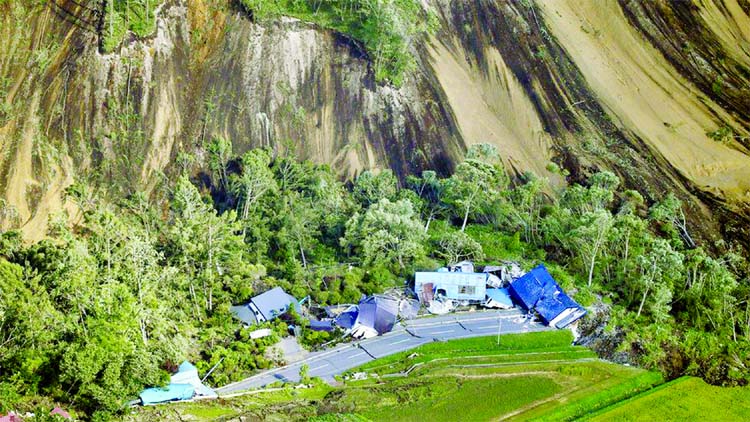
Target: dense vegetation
{"points": [[121, 292]]}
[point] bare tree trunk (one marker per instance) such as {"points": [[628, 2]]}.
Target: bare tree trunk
{"points": [[640, 308], [427, 226], [466, 218]]}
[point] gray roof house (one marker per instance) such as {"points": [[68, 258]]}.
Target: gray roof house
{"points": [[265, 307]]}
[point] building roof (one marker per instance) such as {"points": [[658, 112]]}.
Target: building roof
{"points": [[501, 296], [324, 325], [529, 288], [171, 392], [244, 313], [270, 305], [537, 290], [385, 312], [451, 283], [347, 318], [274, 302], [187, 373]]}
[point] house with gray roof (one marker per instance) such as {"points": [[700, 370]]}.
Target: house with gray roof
{"points": [[265, 307]]}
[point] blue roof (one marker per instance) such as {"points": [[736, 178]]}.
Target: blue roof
{"points": [[347, 318], [169, 393], [244, 313], [386, 312], [529, 288], [186, 367], [325, 325], [500, 296], [537, 290]]}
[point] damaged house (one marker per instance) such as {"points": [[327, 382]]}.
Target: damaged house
{"points": [[538, 291], [460, 286], [373, 316], [265, 307]]}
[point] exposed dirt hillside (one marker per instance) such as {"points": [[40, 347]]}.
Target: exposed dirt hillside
{"points": [[657, 92]]}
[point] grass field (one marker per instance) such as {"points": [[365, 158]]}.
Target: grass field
{"points": [[532, 376], [683, 399]]}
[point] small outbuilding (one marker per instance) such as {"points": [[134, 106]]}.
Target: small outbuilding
{"points": [[265, 307]]}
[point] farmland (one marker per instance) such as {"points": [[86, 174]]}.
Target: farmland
{"points": [[685, 398], [536, 376]]}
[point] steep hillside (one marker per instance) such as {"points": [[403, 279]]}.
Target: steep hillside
{"points": [[657, 92]]}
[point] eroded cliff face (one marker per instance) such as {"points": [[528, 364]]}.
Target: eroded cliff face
{"points": [[588, 86]]}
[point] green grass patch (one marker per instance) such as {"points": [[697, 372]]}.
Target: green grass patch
{"points": [[617, 387], [686, 399], [510, 344], [447, 398]]}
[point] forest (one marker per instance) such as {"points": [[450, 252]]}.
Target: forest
{"points": [[122, 290]]}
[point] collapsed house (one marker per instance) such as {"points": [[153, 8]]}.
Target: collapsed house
{"points": [[183, 385], [538, 291], [265, 307], [372, 316]]}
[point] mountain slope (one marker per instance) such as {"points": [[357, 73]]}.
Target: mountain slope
{"points": [[632, 87]]}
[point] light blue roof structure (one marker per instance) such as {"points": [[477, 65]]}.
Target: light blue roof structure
{"points": [[501, 297], [171, 392], [452, 285], [183, 385]]}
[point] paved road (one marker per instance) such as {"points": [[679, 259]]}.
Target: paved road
{"points": [[327, 363]]}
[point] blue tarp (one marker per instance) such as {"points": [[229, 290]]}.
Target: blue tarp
{"points": [[169, 393], [501, 296], [537, 290]]}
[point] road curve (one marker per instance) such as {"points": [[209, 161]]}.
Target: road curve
{"points": [[408, 335]]}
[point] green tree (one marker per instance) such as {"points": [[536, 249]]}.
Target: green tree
{"points": [[669, 212], [370, 188], [474, 187], [657, 270], [386, 232]]}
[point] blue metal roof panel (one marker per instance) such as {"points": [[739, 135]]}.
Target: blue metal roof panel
{"points": [[500, 295]]}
